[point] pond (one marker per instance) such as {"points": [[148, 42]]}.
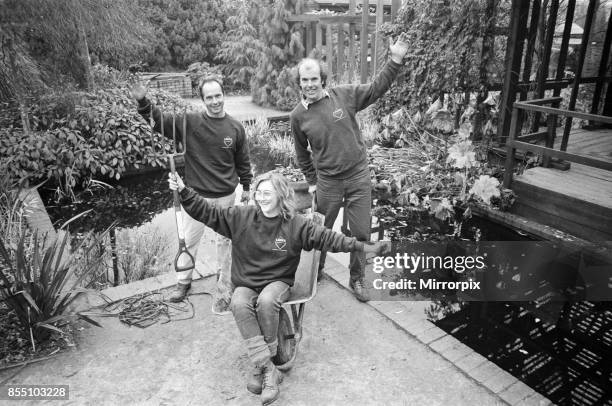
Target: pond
{"points": [[139, 208], [561, 349], [556, 342]]}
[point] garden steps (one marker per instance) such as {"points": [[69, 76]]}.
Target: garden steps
{"points": [[577, 201]]}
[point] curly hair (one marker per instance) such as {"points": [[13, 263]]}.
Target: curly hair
{"points": [[286, 196]]}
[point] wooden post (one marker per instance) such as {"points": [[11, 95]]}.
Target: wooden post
{"points": [[603, 65], [309, 26], [543, 71], [567, 32], [378, 42], [531, 39], [395, 6], [351, 53], [373, 55], [510, 150], [363, 35], [583, 48], [319, 40], [488, 42], [329, 43], [340, 53], [607, 108], [514, 53], [351, 43], [550, 137], [113, 241]]}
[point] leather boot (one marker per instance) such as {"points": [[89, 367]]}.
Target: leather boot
{"points": [[359, 290], [179, 292], [272, 377], [255, 380]]}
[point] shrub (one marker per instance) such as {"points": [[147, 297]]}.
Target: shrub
{"points": [[199, 70], [445, 54], [42, 286], [144, 255], [107, 77], [263, 48], [78, 137]]}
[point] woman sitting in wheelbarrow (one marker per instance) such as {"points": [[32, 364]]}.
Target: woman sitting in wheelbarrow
{"points": [[267, 240]]}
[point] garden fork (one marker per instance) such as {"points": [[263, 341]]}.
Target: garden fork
{"points": [[178, 212]]}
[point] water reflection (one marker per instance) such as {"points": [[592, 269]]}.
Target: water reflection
{"points": [[143, 242]]}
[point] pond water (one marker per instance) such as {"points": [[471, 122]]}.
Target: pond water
{"points": [[140, 209], [556, 348]]}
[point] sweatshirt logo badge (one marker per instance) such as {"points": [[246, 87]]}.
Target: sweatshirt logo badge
{"points": [[227, 141], [280, 243], [338, 114]]}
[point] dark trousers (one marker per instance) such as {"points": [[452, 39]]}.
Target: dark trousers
{"points": [[356, 193]]}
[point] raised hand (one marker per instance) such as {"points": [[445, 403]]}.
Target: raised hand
{"points": [[138, 91], [400, 48]]}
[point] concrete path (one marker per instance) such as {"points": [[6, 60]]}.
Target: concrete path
{"points": [[379, 353], [350, 355]]}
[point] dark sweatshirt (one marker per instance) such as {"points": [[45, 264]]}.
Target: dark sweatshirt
{"points": [[217, 151], [264, 249], [330, 127]]}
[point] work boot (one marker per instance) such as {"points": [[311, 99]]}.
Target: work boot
{"points": [[272, 377], [179, 292], [320, 273], [255, 380], [359, 290]]}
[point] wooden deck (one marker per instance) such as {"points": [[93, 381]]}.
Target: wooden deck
{"points": [[577, 201]]}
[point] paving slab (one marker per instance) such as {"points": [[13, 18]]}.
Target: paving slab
{"points": [[350, 355]]}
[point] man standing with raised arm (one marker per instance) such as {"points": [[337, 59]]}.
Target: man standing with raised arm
{"points": [[338, 167], [216, 159]]}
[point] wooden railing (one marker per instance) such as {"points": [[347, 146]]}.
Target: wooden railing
{"points": [[349, 44], [516, 141]]}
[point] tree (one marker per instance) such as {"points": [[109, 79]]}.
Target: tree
{"points": [[59, 35], [186, 31], [273, 83], [261, 47], [241, 49]]}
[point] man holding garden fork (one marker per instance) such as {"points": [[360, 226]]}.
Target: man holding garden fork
{"points": [[216, 160], [338, 169]]}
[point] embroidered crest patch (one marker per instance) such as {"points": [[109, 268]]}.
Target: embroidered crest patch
{"points": [[280, 243], [338, 114]]}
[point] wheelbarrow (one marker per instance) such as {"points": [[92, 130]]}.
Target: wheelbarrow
{"points": [[302, 291]]}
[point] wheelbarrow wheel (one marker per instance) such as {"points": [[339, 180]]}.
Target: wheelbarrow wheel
{"points": [[287, 347]]}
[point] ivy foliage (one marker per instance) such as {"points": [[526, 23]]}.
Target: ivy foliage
{"points": [[445, 53]]}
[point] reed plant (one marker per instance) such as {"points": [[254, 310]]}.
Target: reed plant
{"points": [[39, 282], [257, 131], [144, 255]]}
